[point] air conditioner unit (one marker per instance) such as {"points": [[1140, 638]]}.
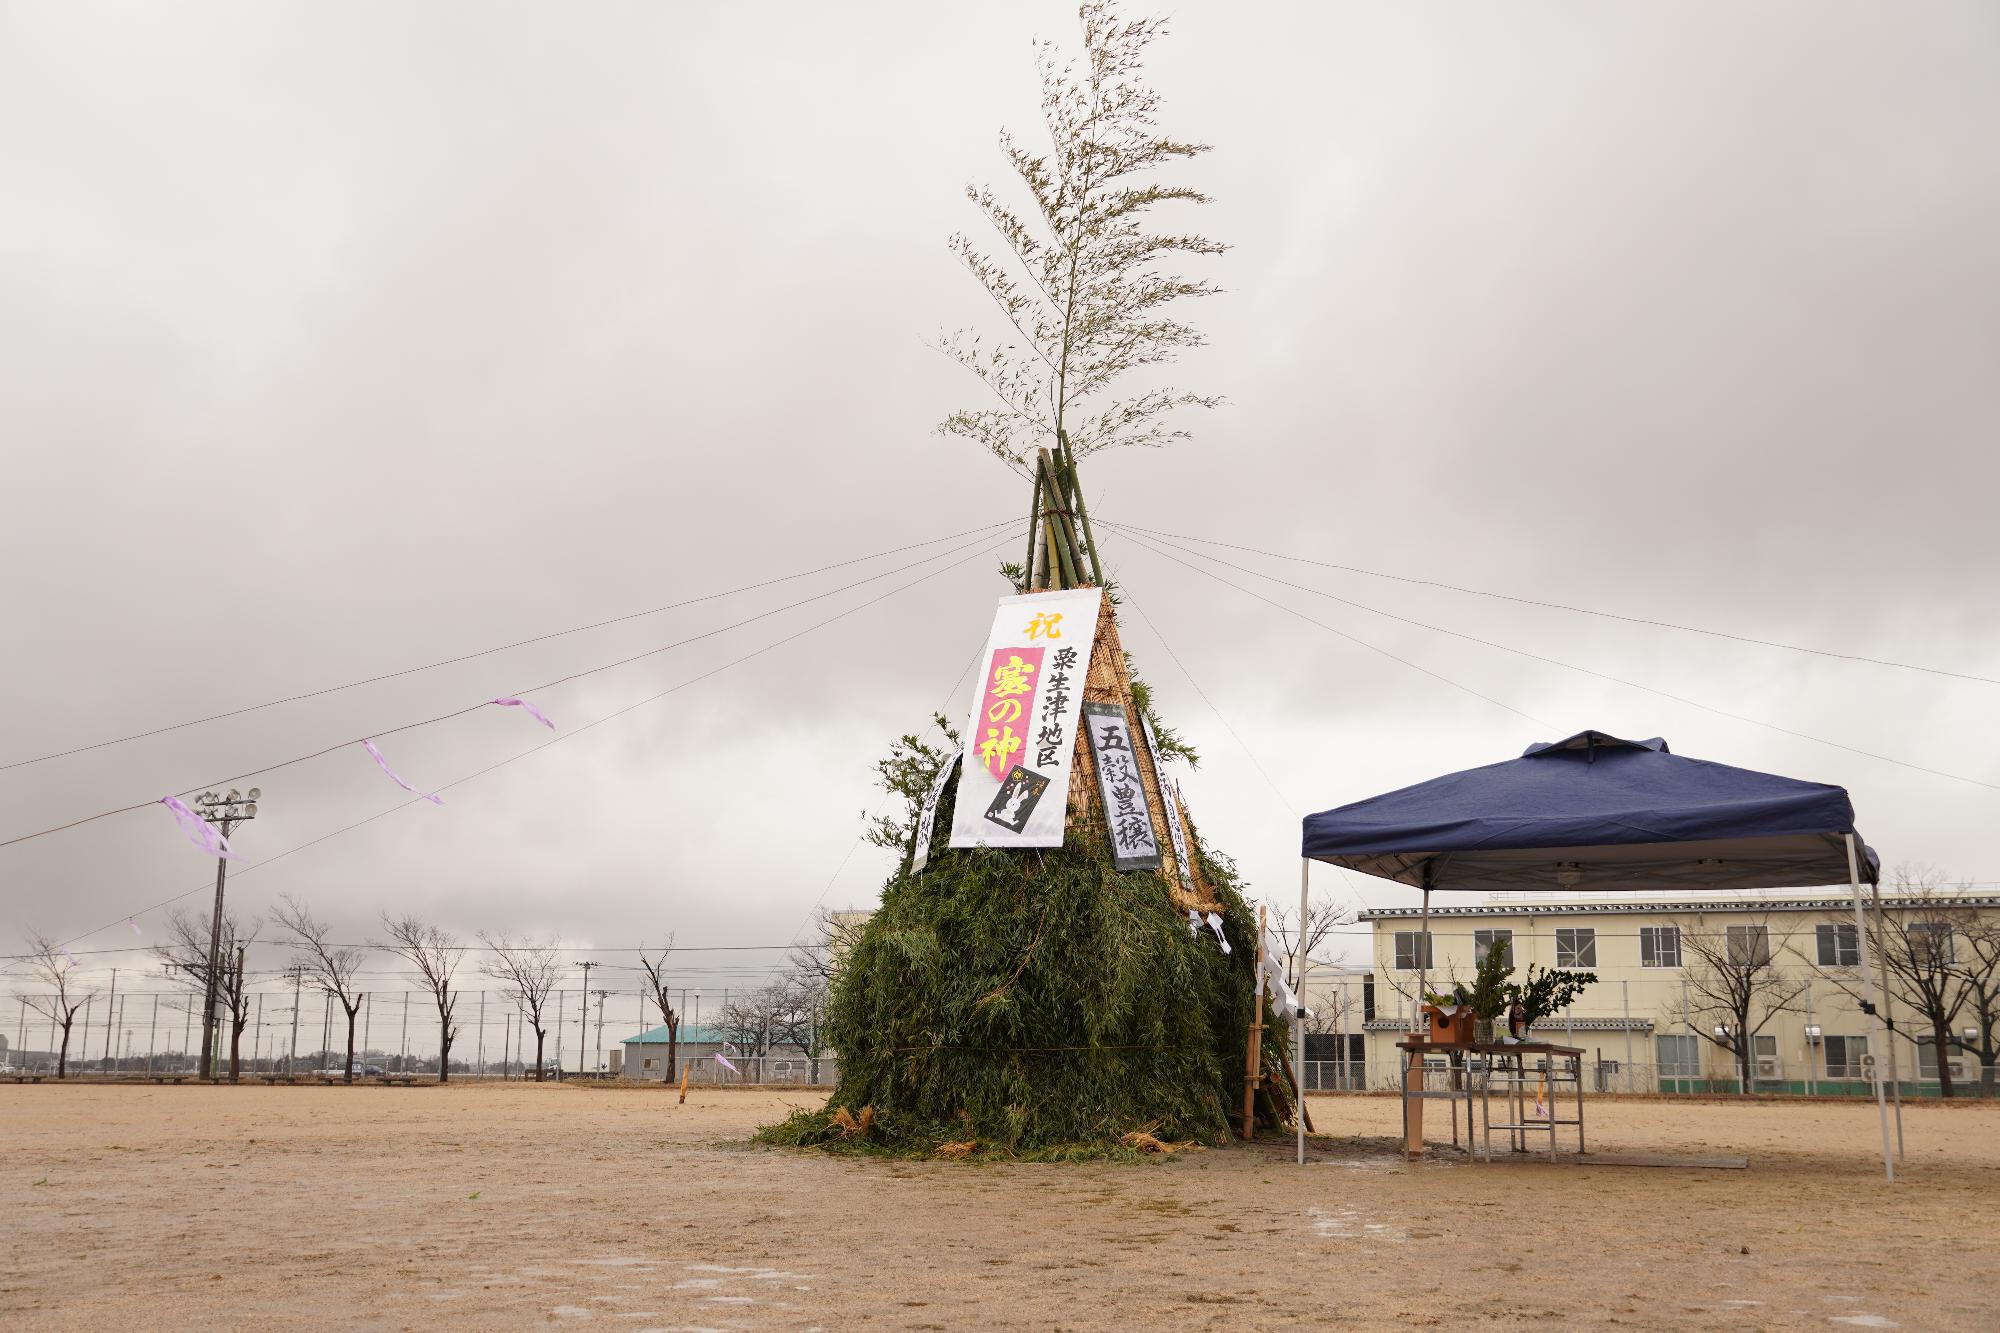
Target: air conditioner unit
{"points": [[1767, 1068]]}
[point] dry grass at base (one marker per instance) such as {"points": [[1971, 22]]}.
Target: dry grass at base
{"points": [[516, 1205]]}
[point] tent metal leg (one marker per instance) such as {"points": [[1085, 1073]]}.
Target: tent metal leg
{"points": [[1298, 1016], [1888, 1014], [1868, 978]]}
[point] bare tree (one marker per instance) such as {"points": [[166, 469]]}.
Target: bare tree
{"points": [[1082, 282], [1322, 920], [1978, 965], [658, 982], [331, 967], [185, 958], [527, 972], [51, 965], [748, 1017], [435, 953], [1916, 939], [1734, 986], [800, 1014]]}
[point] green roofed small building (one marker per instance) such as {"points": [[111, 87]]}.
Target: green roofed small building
{"points": [[645, 1057]]}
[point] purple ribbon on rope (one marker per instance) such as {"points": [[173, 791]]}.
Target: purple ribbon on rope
{"points": [[135, 927], [527, 708], [723, 1060], [199, 831], [384, 765]]}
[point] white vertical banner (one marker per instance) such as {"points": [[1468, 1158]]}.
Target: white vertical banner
{"points": [[1013, 785], [1170, 796], [920, 855], [1128, 815]]}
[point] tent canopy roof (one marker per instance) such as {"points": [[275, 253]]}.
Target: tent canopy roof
{"points": [[1592, 813]]}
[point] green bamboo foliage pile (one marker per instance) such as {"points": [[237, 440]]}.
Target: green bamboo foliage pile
{"points": [[1040, 1003]]}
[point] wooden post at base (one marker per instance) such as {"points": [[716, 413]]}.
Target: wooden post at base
{"points": [[685, 1071], [1413, 1107], [1253, 1058]]}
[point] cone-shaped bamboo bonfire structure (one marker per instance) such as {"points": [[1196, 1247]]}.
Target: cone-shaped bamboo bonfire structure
{"points": [[1043, 1002]]}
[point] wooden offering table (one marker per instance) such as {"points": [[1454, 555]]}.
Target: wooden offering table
{"points": [[1531, 1093]]}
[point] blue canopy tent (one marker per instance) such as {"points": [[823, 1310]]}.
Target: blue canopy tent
{"points": [[1596, 813]]}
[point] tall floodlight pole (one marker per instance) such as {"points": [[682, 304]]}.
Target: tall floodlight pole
{"points": [[226, 812]]}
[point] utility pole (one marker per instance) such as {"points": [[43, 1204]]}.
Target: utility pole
{"points": [[583, 1013], [482, 1035], [403, 1060], [153, 1037], [225, 811], [111, 1012], [298, 972], [600, 1028]]}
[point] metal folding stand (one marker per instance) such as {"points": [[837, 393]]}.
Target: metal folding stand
{"points": [[1559, 1066]]}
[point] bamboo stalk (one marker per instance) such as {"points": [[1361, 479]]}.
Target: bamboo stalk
{"points": [[1082, 511], [1034, 514], [1305, 1116], [1063, 557]]}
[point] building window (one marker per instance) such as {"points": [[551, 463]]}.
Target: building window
{"points": [[1839, 946], [1749, 946], [1407, 952], [1930, 944], [1679, 1055], [1845, 1057], [1484, 940], [1659, 946], [1927, 1061], [649, 1063], [1367, 999], [1576, 948]]}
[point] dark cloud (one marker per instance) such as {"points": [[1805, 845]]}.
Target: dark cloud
{"points": [[343, 340]]}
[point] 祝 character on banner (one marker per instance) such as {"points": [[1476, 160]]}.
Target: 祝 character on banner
{"points": [[1020, 737]]}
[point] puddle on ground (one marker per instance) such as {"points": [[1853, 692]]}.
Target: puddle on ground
{"points": [[1350, 1224]]}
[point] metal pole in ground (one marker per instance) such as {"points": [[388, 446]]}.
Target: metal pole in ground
{"points": [[1810, 1061], [257, 1036], [1868, 981], [298, 989], [481, 1056], [1889, 1013], [111, 1019], [153, 1036], [403, 1060], [1625, 999], [559, 1034], [1299, 1014], [367, 1010]]}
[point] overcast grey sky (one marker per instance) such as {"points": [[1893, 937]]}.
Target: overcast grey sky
{"points": [[338, 339]]}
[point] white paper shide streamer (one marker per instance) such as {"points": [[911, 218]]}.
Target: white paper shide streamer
{"points": [[920, 855]]}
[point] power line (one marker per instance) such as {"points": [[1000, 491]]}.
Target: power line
{"points": [[1560, 606], [1558, 662], [1241, 743], [473, 708], [501, 648], [404, 805], [1354, 639]]}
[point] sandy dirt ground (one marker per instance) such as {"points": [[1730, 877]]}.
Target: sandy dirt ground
{"points": [[135, 1208]]}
